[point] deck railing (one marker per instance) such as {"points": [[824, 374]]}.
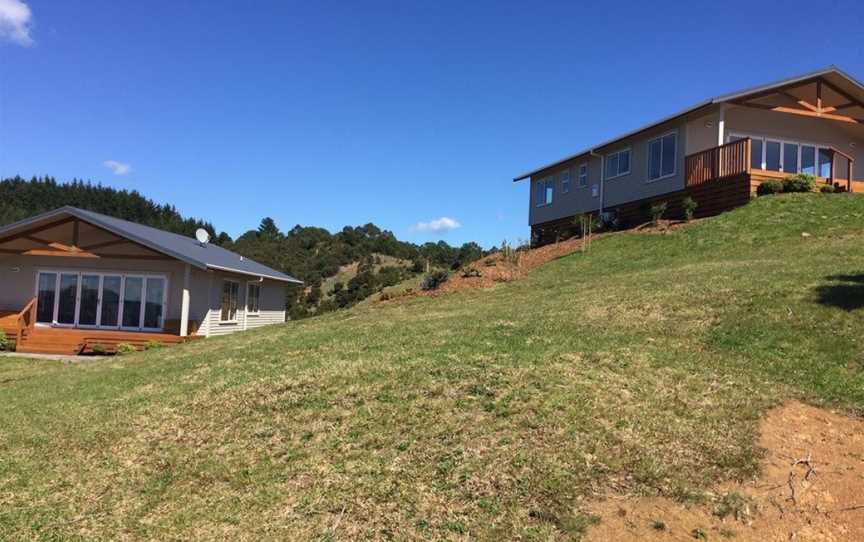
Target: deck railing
{"points": [[718, 162], [26, 319]]}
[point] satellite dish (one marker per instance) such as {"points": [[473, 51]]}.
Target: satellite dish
{"points": [[202, 236]]}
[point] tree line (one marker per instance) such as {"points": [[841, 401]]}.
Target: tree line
{"points": [[309, 253]]}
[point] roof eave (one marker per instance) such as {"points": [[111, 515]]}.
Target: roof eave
{"points": [[288, 279]]}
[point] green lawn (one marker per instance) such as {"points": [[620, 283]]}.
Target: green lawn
{"points": [[641, 367]]}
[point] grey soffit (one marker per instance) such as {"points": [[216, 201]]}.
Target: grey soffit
{"points": [[183, 248], [831, 70]]}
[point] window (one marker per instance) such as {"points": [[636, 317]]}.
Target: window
{"points": [[824, 163], [253, 296], [565, 181], [662, 153], [544, 191], [788, 156], [808, 159], [582, 173], [617, 164], [230, 291]]}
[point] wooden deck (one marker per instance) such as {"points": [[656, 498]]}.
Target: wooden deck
{"points": [[68, 341]]}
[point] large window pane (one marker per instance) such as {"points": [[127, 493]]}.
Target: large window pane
{"points": [[824, 163], [153, 303], [45, 298], [655, 157], [67, 297], [790, 158], [550, 189], [756, 154], [230, 291], [89, 300], [669, 151], [540, 193], [808, 159], [611, 166], [110, 301], [772, 155], [132, 302], [623, 162]]}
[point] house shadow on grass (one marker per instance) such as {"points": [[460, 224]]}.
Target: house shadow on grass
{"points": [[844, 292]]}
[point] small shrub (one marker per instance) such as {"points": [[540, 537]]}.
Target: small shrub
{"points": [[689, 205], [433, 280], [125, 348], [150, 345], [827, 189], [698, 534], [98, 349], [385, 296], [799, 183], [657, 210], [769, 187], [470, 272], [4, 340]]}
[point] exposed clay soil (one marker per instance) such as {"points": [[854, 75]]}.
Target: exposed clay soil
{"points": [[827, 506], [495, 268]]}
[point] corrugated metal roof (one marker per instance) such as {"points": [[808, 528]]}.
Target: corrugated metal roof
{"points": [[183, 248], [716, 100]]}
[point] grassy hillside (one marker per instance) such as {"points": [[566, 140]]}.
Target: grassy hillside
{"points": [[640, 367]]}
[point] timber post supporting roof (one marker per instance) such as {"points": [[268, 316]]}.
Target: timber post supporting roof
{"points": [[829, 93], [163, 243]]}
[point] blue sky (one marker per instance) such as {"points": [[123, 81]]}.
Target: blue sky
{"points": [[397, 113]]}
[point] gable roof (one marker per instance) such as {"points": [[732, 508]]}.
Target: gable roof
{"points": [[840, 77], [186, 249]]}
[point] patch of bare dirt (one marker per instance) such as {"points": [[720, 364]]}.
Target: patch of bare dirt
{"points": [[496, 268], [811, 489]]}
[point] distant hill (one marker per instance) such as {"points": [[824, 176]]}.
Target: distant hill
{"points": [[359, 261]]}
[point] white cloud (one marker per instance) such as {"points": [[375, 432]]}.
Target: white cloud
{"points": [[15, 20], [119, 168], [439, 225]]}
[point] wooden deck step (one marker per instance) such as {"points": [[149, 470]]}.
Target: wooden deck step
{"points": [[70, 341]]}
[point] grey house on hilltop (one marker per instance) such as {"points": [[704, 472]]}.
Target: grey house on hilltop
{"points": [[717, 152]]}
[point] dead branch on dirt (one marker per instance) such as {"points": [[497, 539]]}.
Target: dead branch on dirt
{"points": [[811, 470]]}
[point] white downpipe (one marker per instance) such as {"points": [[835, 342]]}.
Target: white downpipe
{"points": [[602, 179], [721, 124]]}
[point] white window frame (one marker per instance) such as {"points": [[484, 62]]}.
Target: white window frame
{"points": [[629, 152], [659, 138], [565, 186], [579, 175], [237, 309], [249, 286], [102, 273], [783, 141], [545, 183]]}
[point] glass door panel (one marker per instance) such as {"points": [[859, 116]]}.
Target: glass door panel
{"points": [[824, 163], [46, 293], [808, 159], [772, 155], [756, 154], [132, 293], [790, 157], [67, 299], [88, 308], [155, 293], [110, 301]]}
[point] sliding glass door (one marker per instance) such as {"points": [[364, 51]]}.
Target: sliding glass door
{"points": [[788, 156], [97, 300], [109, 312]]}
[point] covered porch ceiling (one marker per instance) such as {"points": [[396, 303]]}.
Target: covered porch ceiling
{"points": [[71, 237], [822, 96]]}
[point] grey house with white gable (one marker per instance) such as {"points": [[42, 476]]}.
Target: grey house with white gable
{"points": [[87, 275]]}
